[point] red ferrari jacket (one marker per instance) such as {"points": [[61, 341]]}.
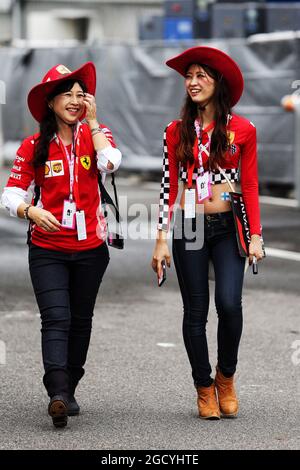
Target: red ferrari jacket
{"points": [[54, 181], [240, 160]]}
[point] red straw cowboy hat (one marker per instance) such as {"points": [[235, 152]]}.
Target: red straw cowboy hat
{"points": [[37, 97], [215, 59]]}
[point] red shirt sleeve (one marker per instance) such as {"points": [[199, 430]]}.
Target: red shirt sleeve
{"points": [[169, 182], [22, 172], [108, 135], [249, 180]]}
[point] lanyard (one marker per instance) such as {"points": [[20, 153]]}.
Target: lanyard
{"points": [[199, 147], [72, 160]]}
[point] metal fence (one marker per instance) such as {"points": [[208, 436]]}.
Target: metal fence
{"points": [[137, 95]]}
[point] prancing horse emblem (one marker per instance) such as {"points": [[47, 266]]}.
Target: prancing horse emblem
{"points": [[86, 161]]}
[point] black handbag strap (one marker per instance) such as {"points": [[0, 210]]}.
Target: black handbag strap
{"points": [[37, 192], [106, 199]]}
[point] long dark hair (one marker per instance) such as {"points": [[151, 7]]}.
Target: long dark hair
{"points": [[189, 112], [48, 126]]}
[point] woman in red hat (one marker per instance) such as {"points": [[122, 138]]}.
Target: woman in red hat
{"points": [[204, 149], [68, 254]]}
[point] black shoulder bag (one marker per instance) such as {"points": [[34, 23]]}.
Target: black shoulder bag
{"points": [[115, 240], [240, 219], [37, 192]]}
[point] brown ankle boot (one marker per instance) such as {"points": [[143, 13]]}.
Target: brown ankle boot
{"points": [[207, 403], [228, 401]]}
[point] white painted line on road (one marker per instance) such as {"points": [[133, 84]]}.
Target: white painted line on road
{"points": [[283, 254], [140, 185], [166, 345], [278, 201], [2, 353], [152, 186]]}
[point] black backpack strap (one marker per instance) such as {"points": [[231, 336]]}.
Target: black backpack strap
{"points": [[37, 193]]}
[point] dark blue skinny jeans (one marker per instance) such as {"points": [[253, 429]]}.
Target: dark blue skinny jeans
{"points": [[66, 286], [192, 267]]}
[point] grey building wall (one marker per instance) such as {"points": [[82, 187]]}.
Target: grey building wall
{"points": [[5, 20], [81, 19], [5, 27]]}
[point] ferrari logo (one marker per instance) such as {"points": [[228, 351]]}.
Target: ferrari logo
{"points": [[231, 135], [85, 162]]}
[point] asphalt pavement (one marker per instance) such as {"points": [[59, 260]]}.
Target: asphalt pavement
{"points": [[137, 392]]}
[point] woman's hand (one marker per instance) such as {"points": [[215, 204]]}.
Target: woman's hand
{"points": [[255, 248], [91, 108], [43, 219], [91, 118], [161, 252]]}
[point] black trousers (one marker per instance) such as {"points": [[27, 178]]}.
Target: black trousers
{"points": [[66, 286], [220, 246]]}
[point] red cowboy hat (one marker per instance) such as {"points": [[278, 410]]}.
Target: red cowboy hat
{"points": [[37, 97], [215, 59]]}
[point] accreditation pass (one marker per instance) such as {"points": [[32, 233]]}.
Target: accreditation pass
{"points": [[68, 218], [189, 203], [80, 223]]}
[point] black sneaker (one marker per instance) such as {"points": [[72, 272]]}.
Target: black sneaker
{"points": [[58, 410], [73, 407]]}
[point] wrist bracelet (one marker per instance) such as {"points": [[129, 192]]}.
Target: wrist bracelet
{"points": [[26, 216], [96, 130]]}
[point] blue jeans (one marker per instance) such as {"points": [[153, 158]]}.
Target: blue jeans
{"points": [[66, 286], [220, 246]]}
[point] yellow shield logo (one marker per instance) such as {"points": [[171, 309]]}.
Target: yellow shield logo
{"points": [[57, 167], [85, 162], [231, 135]]}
